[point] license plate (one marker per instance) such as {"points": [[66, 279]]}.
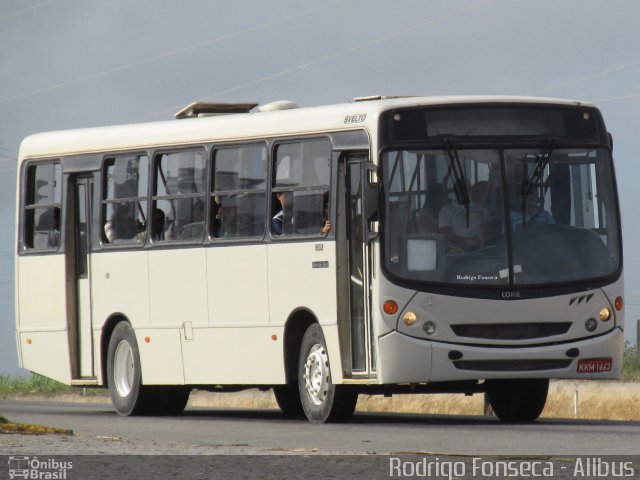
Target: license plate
{"points": [[595, 365]]}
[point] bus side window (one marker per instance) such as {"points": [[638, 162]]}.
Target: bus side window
{"points": [[179, 193], [301, 185], [238, 191], [124, 199], [42, 206]]}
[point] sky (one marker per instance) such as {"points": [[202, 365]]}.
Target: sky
{"points": [[83, 63]]}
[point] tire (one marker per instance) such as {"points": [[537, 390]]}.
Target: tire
{"points": [[124, 378], [518, 400], [322, 401], [288, 399], [174, 401]]}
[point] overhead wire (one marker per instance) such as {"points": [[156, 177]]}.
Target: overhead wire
{"points": [[587, 77], [325, 58], [169, 54], [25, 10]]}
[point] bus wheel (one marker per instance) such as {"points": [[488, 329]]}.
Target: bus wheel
{"points": [[128, 395], [288, 399], [175, 400], [322, 401], [518, 400]]}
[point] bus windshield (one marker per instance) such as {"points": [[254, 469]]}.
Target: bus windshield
{"points": [[500, 216]]}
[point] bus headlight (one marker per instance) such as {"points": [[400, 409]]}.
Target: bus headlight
{"points": [[591, 325], [605, 314], [410, 318], [429, 328]]}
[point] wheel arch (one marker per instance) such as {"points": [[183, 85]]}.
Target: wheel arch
{"points": [[107, 330], [294, 329]]}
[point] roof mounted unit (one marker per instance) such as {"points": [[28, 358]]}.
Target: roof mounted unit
{"points": [[278, 105], [207, 109], [379, 97]]}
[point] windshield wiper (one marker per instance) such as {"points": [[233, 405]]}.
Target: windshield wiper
{"points": [[459, 180], [536, 176], [542, 160]]}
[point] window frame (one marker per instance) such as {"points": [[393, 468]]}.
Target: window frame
{"points": [[212, 192], [274, 189], [153, 197], [27, 237], [104, 201]]}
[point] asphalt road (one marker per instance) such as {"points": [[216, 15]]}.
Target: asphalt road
{"points": [[212, 431]]}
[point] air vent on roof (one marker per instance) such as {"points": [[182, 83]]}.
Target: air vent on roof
{"points": [[378, 97], [206, 109], [278, 105]]}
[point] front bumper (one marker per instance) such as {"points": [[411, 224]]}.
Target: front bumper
{"points": [[405, 359]]}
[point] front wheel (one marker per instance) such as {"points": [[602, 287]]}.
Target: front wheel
{"points": [[518, 400], [322, 401]]}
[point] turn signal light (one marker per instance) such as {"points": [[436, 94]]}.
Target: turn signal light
{"points": [[390, 307], [619, 303]]}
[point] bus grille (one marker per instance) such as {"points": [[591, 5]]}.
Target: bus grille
{"points": [[511, 365], [511, 331]]}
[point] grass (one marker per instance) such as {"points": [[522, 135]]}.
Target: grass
{"points": [[35, 384], [631, 364]]}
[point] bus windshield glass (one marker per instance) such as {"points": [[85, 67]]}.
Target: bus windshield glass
{"points": [[511, 216]]}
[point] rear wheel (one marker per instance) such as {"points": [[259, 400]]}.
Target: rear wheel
{"points": [[518, 400], [128, 395], [175, 400], [288, 399], [321, 400]]}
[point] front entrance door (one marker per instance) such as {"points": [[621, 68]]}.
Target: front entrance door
{"points": [[78, 227], [355, 279]]}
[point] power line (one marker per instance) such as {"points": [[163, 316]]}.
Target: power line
{"points": [[588, 77], [20, 12], [616, 99], [165, 55], [330, 56]]}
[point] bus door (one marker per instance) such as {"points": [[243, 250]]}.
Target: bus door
{"points": [[355, 266], [78, 235]]}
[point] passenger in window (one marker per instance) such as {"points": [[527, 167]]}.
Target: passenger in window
{"points": [[426, 219], [195, 229], [527, 210], [326, 223], [53, 238], [122, 225], [228, 222], [460, 224], [282, 222], [158, 224], [216, 222]]}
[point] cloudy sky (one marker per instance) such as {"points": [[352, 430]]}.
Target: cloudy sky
{"points": [[80, 63]]}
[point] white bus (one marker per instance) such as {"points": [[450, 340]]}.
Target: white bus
{"points": [[473, 245]]}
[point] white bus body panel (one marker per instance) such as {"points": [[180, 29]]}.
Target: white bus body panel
{"points": [[41, 316], [233, 271], [303, 275], [120, 285], [177, 287], [230, 355]]}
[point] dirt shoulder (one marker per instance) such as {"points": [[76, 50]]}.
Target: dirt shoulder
{"points": [[605, 400]]}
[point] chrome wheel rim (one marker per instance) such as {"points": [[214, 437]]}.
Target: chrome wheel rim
{"points": [[123, 368], [316, 374]]}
